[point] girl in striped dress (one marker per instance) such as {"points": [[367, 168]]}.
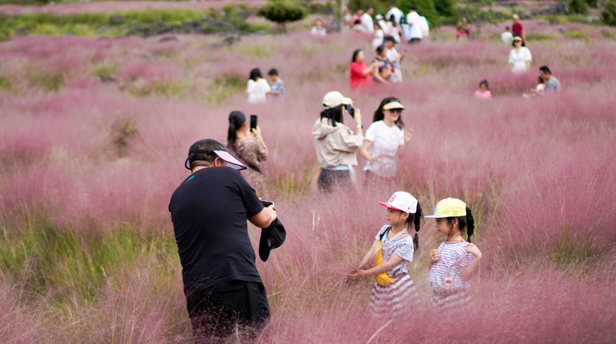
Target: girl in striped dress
{"points": [[393, 293], [455, 261]]}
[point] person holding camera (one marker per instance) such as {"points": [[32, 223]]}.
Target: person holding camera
{"points": [[248, 145], [336, 145], [209, 210], [361, 75]]}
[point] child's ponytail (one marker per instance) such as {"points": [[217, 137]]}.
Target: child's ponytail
{"points": [[415, 220], [470, 223]]}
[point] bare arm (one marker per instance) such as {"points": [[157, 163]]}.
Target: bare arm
{"points": [[468, 272], [407, 138], [264, 218], [365, 149], [275, 92], [393, 261], [366, 262], [379, 78]]}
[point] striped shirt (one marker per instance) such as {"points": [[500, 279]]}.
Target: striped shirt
{"points": [[450, 253], [403, 247]]}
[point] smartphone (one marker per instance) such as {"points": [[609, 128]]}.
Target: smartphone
{"points": [[253, 122], [351, 110], [267, 203]]}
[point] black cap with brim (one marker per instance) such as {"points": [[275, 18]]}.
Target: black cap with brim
{"points": [[271, 237]]}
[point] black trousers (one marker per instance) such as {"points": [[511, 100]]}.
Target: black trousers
{"points": [[234, 308]]}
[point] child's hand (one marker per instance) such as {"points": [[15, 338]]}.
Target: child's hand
{"points": [[357, 274], [435, 255], [474, 250]]}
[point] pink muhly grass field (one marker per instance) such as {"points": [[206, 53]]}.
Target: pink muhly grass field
{"points": [[97, 162]]}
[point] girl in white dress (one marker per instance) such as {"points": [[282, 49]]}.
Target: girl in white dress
{"points": [[257, 87], [519, 56]]}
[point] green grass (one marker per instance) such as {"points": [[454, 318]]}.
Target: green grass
{"points": [[166, 88], [105, 69], [223, 88], [575, 34], [5, 83], [49, 82], [537, 36], [43, 256]]}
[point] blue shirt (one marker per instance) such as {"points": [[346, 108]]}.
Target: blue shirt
{"points": [[278, 86]]}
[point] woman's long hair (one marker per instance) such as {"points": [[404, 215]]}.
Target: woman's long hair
{"points": [[333, 115], [355, 53], [255, 74], [236, 120], [379, 115]]}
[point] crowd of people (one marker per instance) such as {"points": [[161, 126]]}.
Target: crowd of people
{"points": [[210, 208]]}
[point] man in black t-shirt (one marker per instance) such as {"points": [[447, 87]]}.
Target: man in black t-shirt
{"points": [[209, 212]]}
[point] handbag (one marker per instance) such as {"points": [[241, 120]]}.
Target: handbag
{"points": [[382, 278]]}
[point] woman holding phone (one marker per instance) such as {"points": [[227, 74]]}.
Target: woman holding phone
{"points": [[336, 145], [247, 143]]}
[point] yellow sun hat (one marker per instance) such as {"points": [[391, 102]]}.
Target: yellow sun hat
{"points": [[448, 207]]}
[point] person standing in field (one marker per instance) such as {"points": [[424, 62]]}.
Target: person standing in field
{"points": [[392, 54], [385, 140], [224, 292], [519, 57], [382, 24], [247, 145], [379, 35], [393, 293], [507, 36], [277, 87], [366, 21], [318, 29], [394, 12], [336, 145], [257, 87], [415, 23], [455, 261], [348, 18], [394, 29], [517, 29], [463, 29], [386, 73], [361, 75]]}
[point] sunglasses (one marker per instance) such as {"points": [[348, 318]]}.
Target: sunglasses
{"points": [[395, 110]]}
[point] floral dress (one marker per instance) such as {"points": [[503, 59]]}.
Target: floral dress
{"points": [[252, 152]]}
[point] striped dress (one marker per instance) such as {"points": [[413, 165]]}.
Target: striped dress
{"points": [[458, 296], [395, 299]]}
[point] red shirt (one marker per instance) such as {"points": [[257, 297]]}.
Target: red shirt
{"points": [[516, 29], [357, 77]]}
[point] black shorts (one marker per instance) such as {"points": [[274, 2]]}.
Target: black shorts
{"points": [[222, 310]]}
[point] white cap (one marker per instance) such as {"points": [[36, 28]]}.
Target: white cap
{"points": [[402, 201], [335, 98]]}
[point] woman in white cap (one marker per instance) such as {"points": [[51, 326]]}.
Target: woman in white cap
{"points": [[394, 292], [385, 139], [336, 145], [519, 57]]}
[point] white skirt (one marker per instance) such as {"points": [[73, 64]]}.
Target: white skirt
{"points": [[394, 299]]}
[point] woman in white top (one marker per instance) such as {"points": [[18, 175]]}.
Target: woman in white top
{"points": [[519, 57], [318, 29], [379, 35], [257, 87], [385, 139], [393, 29]]}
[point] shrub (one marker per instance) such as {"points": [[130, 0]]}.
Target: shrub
{"points": [[609, 15], [575, 34], [5, 83], [424, 7], [282, 12], [537, 36], [578, 6]]}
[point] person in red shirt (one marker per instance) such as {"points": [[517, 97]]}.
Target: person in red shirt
{"points": [[517, 28], [360, 73]]}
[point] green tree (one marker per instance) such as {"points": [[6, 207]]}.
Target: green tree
{"points": [[578, 6], [424, 7], [609, 15], [282, 12]]}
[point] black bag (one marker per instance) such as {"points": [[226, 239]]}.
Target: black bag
{"points": [[271, 237]]}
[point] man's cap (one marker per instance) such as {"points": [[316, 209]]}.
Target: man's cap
{"points": [[335, 98], [402, 201], [449, 207], [390, 39], [393, 105], [194, 152], [271, 237]]}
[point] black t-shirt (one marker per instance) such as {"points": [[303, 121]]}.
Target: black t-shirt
{"points": [[209, 211]]}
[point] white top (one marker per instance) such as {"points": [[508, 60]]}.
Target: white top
{"points": [[384, 26], [385, 142], [425, 28], [318, 32], [392, 54], [257, 90], [414, 21], [507, 37], [397, 13], [393, 31], [519, 60], [378, 39], [540, 88], [366, 21]]}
